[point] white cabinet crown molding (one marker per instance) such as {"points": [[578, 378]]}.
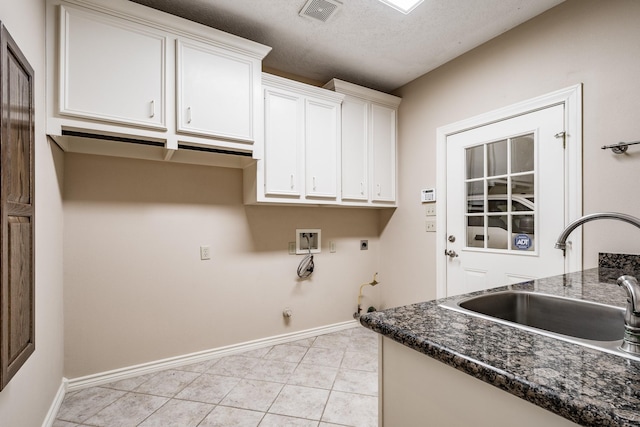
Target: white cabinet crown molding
{"points": [[362, 92], [301, 88]]}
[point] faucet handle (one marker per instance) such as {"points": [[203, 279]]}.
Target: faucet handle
{"points": [[630, 284], [631, 340]]}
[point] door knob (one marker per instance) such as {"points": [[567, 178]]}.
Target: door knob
{"points": [[451, 238], [450, 253]]}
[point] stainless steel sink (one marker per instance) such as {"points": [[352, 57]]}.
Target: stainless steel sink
{"points": [[582, 322]]}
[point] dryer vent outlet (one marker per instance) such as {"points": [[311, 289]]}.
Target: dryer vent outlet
{"points": [[320, 10], [364, 245]]}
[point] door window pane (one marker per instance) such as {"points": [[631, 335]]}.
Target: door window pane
{"points": [[498, 232], [475, 162], [475, 197], [475, 231], [523, 185], [497, 158], [523, 228], [522, 153]]}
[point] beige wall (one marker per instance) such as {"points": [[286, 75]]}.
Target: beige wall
{"points": [[136, 290], [593, 42], [29, 395]]}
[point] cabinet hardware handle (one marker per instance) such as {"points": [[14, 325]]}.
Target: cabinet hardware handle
{"points": [[314, 183], [379, 189], [292, 181], [188, 114], [153, 108], [361, 189]]}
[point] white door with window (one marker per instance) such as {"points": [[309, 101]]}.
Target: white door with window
{"points": [[505, 201]]}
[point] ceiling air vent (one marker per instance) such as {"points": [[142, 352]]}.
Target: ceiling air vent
{"points": [[320, 10]]}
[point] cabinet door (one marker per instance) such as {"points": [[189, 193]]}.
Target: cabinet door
{"points": [[322, 139], [284, 134], [355, 183], [383, 153], [111, 69], [215, 92]]}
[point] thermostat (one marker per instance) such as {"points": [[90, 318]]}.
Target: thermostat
{"points": [[428, 195]]}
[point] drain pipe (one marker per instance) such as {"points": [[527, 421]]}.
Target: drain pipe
{"points": [[372, 283]]}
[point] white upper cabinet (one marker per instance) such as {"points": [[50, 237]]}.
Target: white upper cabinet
{"points": [[111, 70], [322, 138], [355, 171], [301, 146], [369, 121], [136, 82], [284, 131], [216, 91], [383, 153]]}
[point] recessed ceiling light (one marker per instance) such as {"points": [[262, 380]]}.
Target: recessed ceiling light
{"points": [[404, 6]]}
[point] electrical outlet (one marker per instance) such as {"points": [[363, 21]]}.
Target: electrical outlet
{"points": [[430, 225], [332, 247], [292, 248], [205, 252], [364, 245]]}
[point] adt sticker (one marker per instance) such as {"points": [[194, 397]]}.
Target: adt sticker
{"points": [[522, 242]]}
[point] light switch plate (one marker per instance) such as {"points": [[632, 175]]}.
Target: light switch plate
{"points": [[430, 225], [430, 209]]}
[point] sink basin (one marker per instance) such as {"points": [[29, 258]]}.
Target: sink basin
{"points": [[582, 322]]}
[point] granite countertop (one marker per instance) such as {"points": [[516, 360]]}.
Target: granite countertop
{"points": [[586, 386]]}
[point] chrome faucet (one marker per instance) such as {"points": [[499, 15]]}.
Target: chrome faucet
{"points": [[631, 340], [562, 239]]}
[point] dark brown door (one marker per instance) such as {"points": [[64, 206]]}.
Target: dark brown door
{"points": [[17, 332]]}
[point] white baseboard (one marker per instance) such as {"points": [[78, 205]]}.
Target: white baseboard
{"points": [[201, 356], [55, 405]]}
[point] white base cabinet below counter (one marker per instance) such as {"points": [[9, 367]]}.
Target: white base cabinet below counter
{"points": [[417, 390]]}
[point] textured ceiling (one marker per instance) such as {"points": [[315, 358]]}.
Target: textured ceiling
{"points": [[365, 42]]}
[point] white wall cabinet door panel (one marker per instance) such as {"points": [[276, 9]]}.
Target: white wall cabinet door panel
{"points": [[215, 92], [284, 130], [321, 148], [383, 153], [368, 151], [355, 172], [111, 70]]}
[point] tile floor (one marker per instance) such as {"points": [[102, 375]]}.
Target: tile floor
{"points": [[328, 380]]}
